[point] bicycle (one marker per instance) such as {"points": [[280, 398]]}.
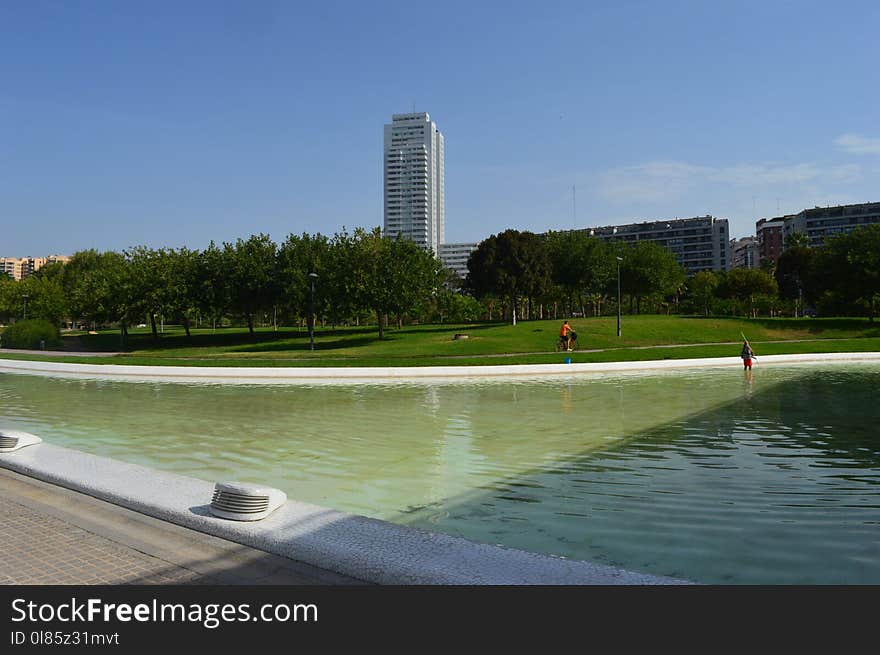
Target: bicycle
{"points": [[572, 343]]}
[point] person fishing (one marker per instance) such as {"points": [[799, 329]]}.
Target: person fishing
{"points": [[747, 355]]}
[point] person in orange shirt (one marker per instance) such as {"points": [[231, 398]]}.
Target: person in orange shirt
{"points": [[565, 334]]}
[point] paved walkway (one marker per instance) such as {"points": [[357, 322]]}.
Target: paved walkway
{"points": [[71, 353], [57, 353], [52, 535]]}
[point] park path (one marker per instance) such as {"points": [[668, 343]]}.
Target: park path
{"points": [[70, 353], [668, 345], [57, 353], [55, 536]]}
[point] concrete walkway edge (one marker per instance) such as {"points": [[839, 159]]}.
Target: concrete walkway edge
{"points": [[356, 546], [349, 375]]}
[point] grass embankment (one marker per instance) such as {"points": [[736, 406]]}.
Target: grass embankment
{"points": [[529, 342]]}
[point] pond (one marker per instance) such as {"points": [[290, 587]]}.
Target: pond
{"points": [[709, 475]]}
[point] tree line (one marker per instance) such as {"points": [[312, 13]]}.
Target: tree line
{"points": [[841, 277], [355, 276], [572, 273], [364, 277]]}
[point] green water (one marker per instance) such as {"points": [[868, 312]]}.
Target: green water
{"points": [[705, 475]]}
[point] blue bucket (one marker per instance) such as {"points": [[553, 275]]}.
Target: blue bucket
{"points": [[568, 360]]}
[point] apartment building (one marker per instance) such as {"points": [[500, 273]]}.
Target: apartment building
{"points": [[700, 243], [821, 223], [768, 231], [745, 253], [454, 256], [18, 268], [414, 177]]}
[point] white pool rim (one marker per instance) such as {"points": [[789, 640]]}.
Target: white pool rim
{"points": [[371, 375], [357, 546]]}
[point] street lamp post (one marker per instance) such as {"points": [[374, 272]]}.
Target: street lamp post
{"points": [[313, 277], [619, 259], [24, 297]]}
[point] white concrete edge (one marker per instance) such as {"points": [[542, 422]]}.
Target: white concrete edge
{"points": [[370, 375], [356, 546]]}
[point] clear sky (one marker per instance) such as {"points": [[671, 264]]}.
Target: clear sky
{"points": [[175, 123]]}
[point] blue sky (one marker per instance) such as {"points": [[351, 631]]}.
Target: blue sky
{"points": [[175, 123]]}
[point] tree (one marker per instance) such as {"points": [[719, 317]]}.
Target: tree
{"points": [[537, 267], [79, 283], [768, 266], [418, 276], [119, 297], [252, 276], [647, 269], [796, 272], [510, 264], [481, 278], [702, 288], [850, 266], [10, 298], [339, 282], [581, 265], [371, 272], [213, 291], [864, 262], [99, 288], [181, 274], [393, 275], [797, 240], [744, 284], [46, 298], [148, 284], [453, 307], [297, 257]]}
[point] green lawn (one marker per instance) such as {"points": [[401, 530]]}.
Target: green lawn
{"points": [[529, 342]]}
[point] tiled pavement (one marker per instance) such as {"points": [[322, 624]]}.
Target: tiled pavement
{"points": [[52, 535], [41, 549]]}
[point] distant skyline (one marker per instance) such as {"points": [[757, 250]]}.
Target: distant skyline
{"points": [[174, 124]]}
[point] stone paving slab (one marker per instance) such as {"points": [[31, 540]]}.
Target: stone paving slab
{"points": [[41, 549], [53, 535]]}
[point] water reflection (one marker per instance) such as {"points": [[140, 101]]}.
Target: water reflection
{"points": [[769, 477], [768, 488]]}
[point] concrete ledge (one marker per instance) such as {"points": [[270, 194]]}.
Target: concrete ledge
{"points": [[369, 375], [355, 546]]}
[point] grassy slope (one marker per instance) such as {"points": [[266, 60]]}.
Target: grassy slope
{"points": [[530, 342]]}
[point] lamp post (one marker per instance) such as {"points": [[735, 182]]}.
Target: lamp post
{"points": [[619, 259], [313, 276], [24, 297]]}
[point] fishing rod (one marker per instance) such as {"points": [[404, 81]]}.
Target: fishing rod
{"points": [[750, 347]]}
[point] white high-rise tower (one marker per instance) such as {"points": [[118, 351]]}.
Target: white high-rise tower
{"points": [[414, 180]]}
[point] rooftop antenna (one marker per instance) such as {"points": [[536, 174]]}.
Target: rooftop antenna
{"points": [[777, 206]]}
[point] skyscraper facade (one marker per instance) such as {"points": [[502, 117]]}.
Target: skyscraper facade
{"points": [[414, 180]]}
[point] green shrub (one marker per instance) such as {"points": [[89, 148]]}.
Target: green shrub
{"points": [[29, 334]]}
